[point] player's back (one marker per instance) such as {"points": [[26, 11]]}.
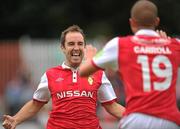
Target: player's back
{"points": [[148, 67]]}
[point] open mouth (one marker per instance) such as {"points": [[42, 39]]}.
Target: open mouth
{"points": [[76, 53]]}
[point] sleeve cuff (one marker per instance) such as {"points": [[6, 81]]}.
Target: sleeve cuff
{"points": [[40, 101], [109, 102]]}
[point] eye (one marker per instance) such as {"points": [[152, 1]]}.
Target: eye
{"points": [[70, 43], [81, 43]]}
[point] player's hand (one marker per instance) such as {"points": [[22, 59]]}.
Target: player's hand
{"points": [[90, 52], [9, 122], [162, 34]]}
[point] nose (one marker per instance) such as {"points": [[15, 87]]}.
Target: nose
{"points": [[76, 46]]}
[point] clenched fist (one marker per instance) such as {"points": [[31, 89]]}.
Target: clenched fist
{"points": [[9, 122]]}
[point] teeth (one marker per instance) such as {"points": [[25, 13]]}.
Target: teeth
{"points": [[75, 54]]}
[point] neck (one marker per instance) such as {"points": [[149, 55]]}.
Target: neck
{"points": [[142, 27], [71, 66], [146, 27]]}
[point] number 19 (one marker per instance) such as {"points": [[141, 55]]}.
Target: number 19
{"points": [[165, 73]]}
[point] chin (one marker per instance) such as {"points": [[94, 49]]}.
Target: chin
{"points": [[76, 64]]}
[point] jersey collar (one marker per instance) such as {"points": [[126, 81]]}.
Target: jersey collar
{"points": [[74, 72], [147, 32], [64, 66]]}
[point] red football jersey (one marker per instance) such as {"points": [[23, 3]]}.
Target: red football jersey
{"points": [[74, 98], [148, 66]]}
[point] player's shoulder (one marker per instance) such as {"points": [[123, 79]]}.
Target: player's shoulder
{"points": [[176, 42], [114, 42], [98, 74], [54, 69], [124, 39]]}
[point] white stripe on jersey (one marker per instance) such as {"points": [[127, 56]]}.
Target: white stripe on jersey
{"points": [[105, 91], [42, 93], [107, 57]]}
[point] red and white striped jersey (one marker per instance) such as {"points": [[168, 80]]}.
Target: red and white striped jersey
{"points": [[148, 66], [74, 98]]}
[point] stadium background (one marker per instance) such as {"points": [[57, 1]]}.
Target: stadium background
{"points": [[29, 43]]}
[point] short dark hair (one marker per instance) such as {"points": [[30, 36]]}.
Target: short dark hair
{"points": [[73, 28], [144, 12]]}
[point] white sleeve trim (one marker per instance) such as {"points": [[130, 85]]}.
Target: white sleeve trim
{"points": [[106, 92], [42, 93], [108, 56], [178, 40]]}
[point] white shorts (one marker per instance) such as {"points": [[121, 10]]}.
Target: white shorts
{"points": [[143, 121]]}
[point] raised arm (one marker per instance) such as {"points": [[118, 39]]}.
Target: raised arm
{"points": [[29, 110], [87, 68]]}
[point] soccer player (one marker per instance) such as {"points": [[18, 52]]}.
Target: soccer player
{"points": [[74, 98], [148, 66]]}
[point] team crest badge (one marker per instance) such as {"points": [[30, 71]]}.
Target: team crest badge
{"points": [[90, 80]]}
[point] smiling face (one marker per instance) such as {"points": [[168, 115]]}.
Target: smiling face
{"points": [[73, 49]]}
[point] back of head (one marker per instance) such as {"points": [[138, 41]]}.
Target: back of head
{"points": [[145, 13]]}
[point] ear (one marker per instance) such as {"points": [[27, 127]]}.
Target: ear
{"points": [[130, 21], [62, 48], [157, 21], [133, 24]]}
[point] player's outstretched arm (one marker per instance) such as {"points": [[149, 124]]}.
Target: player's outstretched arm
{"points": [[27, 111], [86, 68], [9, 122], [115, 109]]}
